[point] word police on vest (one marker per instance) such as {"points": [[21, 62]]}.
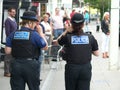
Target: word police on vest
{"points": [[79, 40], [22, 35]]}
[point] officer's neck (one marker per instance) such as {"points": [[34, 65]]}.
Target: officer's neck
{"points": [[29, 26]]}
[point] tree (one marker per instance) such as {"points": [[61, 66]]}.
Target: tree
{"points": [[101, 5]]}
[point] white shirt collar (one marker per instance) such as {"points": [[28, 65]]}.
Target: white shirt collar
{"points": [[13, 19]]}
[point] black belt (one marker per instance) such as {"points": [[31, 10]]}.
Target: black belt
{"points": [[26, 58], [30, 59], [78, 63]]}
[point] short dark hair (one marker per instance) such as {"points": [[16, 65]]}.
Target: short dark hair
{"points": [[48, 14], [10, 8]]}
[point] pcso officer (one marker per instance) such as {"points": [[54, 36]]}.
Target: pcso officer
{"points": [[79, 47], [24, 45]]}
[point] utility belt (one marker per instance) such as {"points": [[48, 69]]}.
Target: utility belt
{"points": [[25, 59], [76, 63]]}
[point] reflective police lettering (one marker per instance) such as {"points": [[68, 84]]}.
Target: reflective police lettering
{"points": [[79, 40], [22, 35]]}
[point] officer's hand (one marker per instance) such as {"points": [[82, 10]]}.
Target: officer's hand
{"points": [[54, 42], [69, 29], [39, 30]]}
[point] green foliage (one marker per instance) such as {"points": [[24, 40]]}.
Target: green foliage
{"points": [[101, 5]]}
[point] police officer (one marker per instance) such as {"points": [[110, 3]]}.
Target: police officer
{"points": [[79, 47], [24, 45]]}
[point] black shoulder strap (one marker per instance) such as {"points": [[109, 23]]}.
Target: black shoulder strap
{"points": [[69, 38]]}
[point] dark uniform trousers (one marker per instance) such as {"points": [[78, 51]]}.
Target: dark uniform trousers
{"points": [[25, 71], [77, 77]]}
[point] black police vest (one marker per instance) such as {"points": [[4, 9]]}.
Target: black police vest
{"points": [[22, 46], [79, 49]]}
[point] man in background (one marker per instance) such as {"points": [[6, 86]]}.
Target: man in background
{"points": [[58, 29], [57, 22], [10, 26]]}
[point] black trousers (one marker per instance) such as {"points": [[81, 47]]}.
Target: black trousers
{"points": [[97, 28], [77, 77], [25, 72]]}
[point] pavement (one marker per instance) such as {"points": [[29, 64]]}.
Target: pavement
{"points": [[52, 73]]}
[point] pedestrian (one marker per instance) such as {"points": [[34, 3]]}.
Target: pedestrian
{"points": [[24, 45], [105, 35], [78, 49], [97, 25], [86, 17], [48, 28], [57, 22], [10, 26], [49, 18], [48, 33], [58, 29]]}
